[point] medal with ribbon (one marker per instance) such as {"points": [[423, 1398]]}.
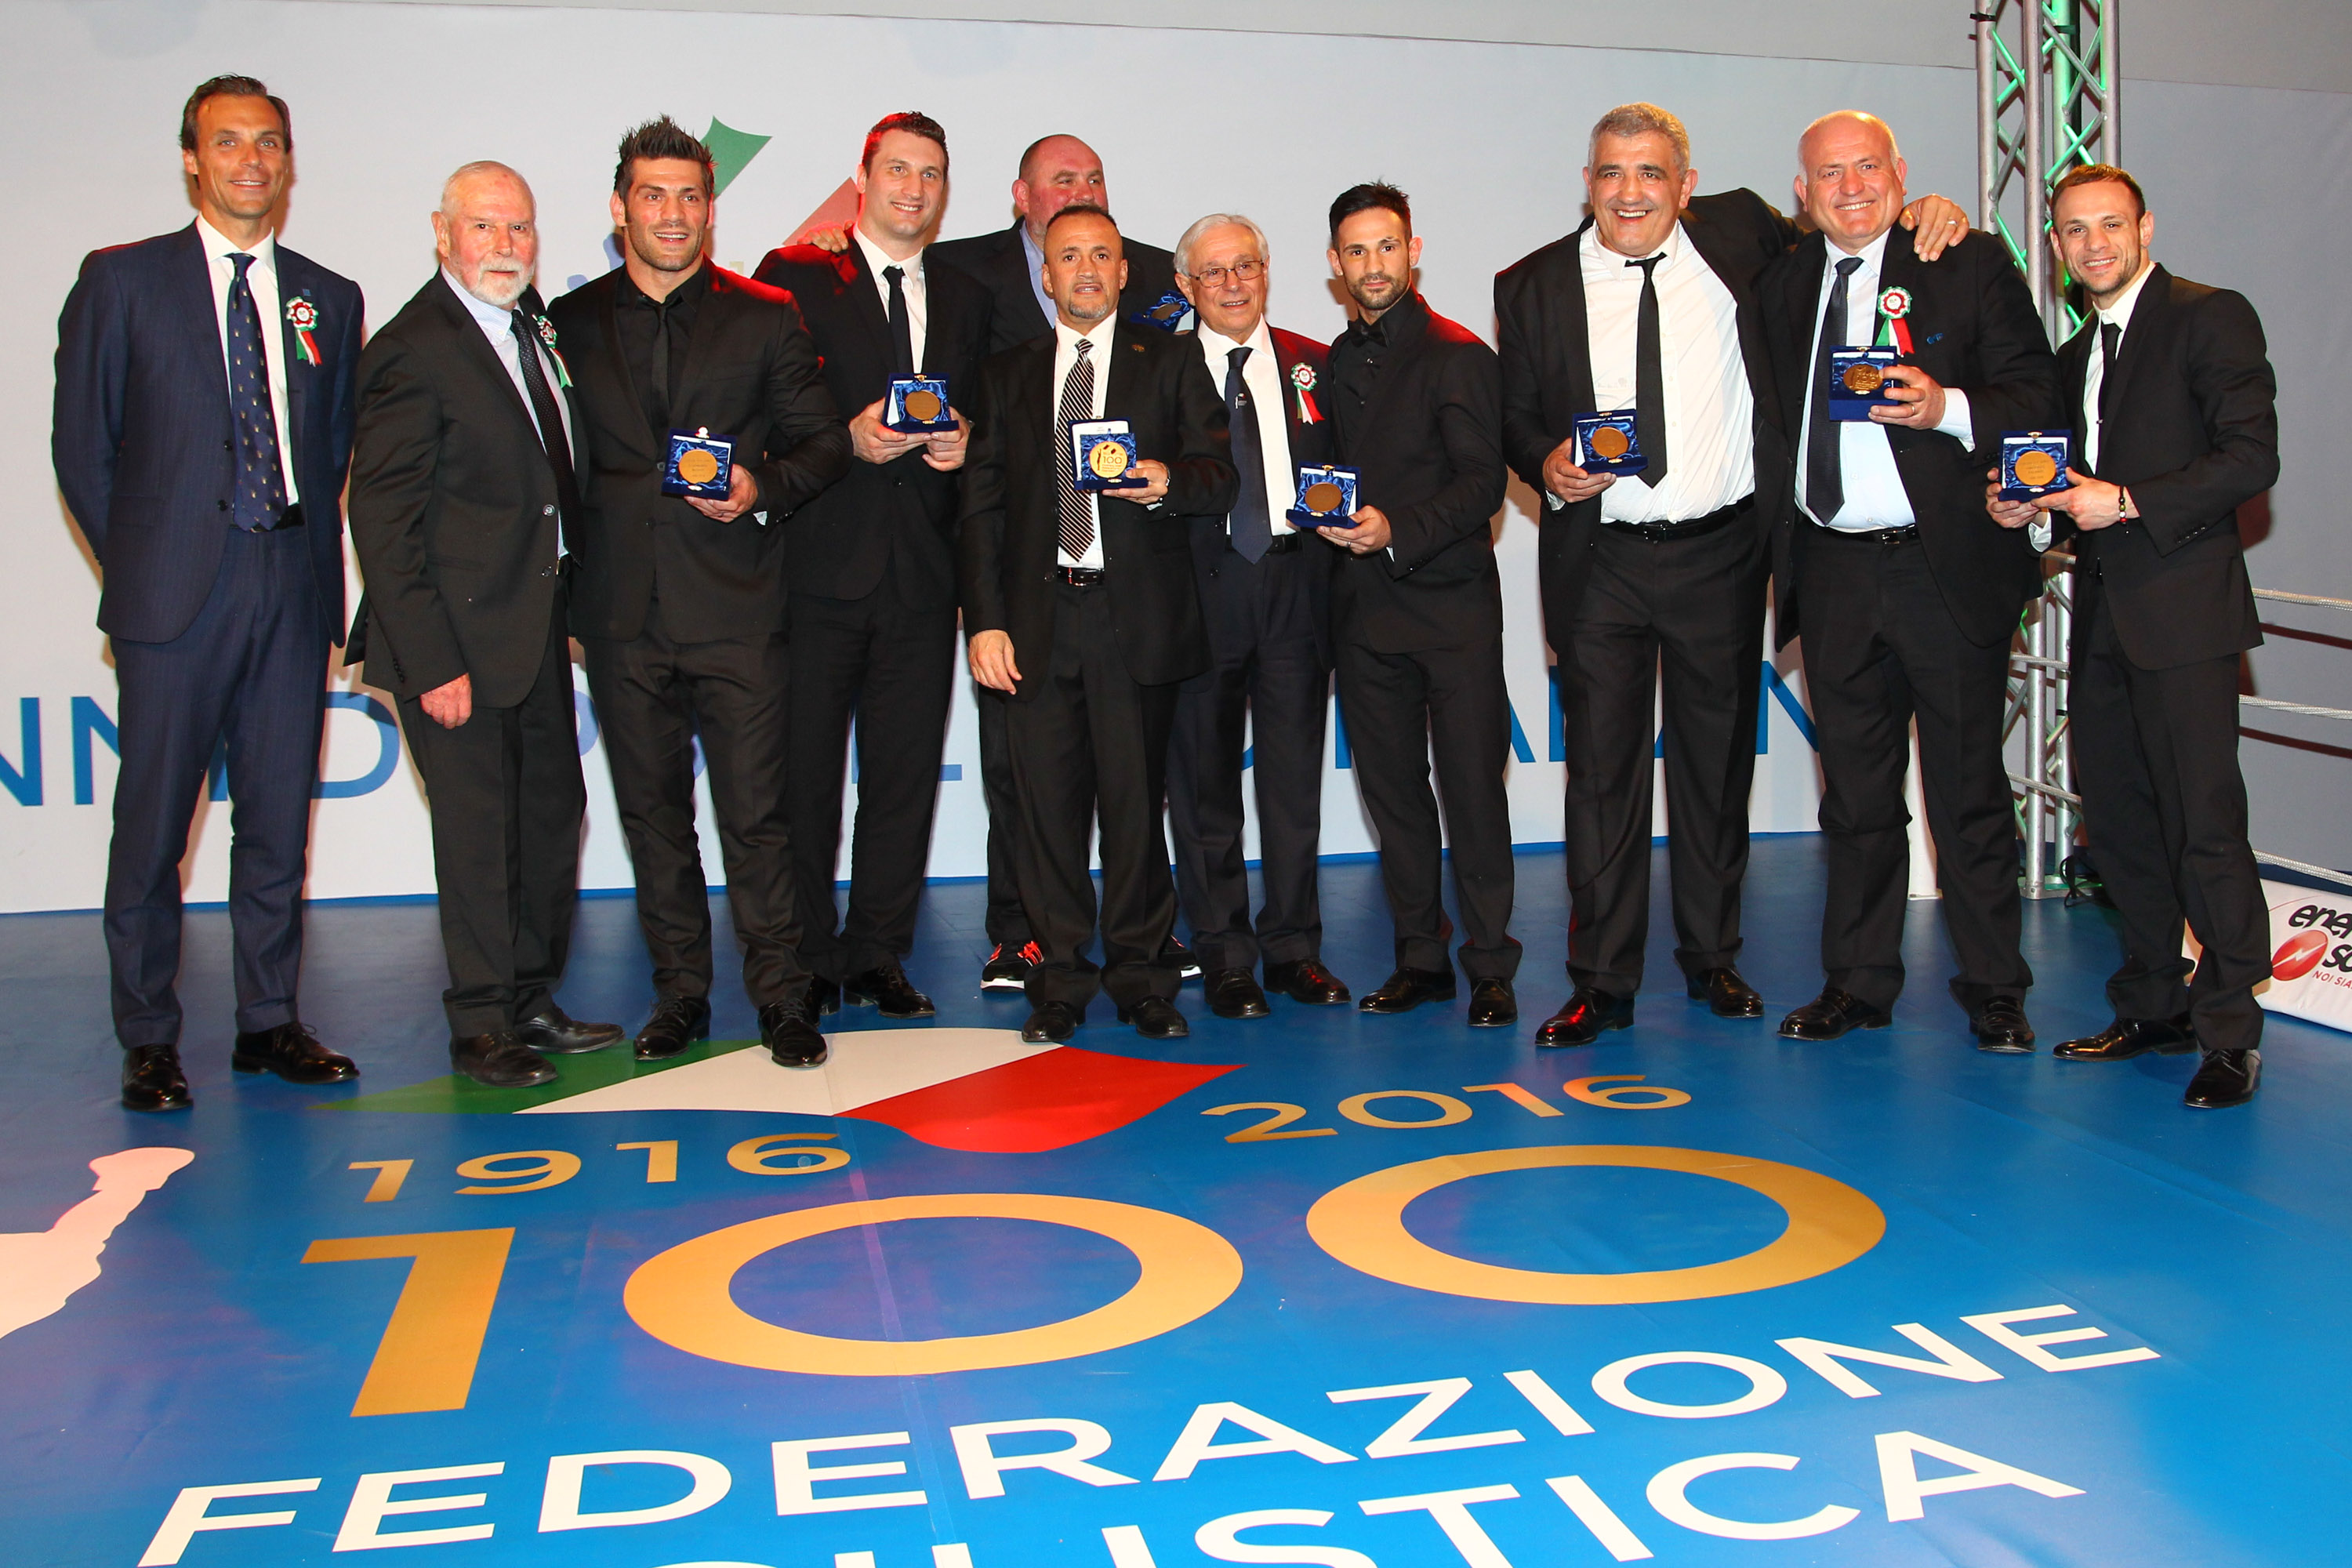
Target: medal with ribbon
{"points": [[1894, 305], [1302, 382], [546, 336], [302, 318]]}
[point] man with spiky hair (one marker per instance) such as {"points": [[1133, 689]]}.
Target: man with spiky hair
{"points": [[679, 600]]}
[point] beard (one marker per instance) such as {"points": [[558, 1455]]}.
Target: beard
{"points": [[494, 285], [1367, 290]]}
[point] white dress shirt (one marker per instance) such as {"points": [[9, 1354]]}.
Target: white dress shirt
{"points": [[911, 287], [1262, 374], [1066, 354], [262, 279], [1875, 496], [498, 327], [2096, 375], [1711, 410]]}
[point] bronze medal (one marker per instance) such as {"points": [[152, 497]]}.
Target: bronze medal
{"points": [[1863, 379], [697, 465], [1323, 496], [1107, 459], [2035, 467], [922, 403], [1608, 443]]}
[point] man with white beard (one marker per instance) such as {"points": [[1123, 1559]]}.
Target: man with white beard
{"points": [[465, 470]]}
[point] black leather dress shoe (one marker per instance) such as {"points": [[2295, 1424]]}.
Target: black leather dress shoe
{"points": [[1306, 979], [1492, 1006], [887, 989], [499, 1061], [1726, 994], [1831, 1014], [1155, 1018], [152, 1079], [2227, 1079], [676, 1023], [1408, 989], [788, 1031], [823, 995], [2000, 1028], [1054, 1021], [1234, 993], [557, 1033], [2127, 1038], [1187, 966], [1009, 971], [1583, 1018], [292, 1052]]}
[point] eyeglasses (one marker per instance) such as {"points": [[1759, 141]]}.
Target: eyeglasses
{"points": [[1240, 272]]}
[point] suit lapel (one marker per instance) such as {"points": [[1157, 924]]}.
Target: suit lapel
{"points": [[2146, 326], [1576, 323], [1015, 283], [293, 283], [717, 307], [1800, 311], [2074, 371], [621, 376], [865, 302], [191, 287], [476, 347]]}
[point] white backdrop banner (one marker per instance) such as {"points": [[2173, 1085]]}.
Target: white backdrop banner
{"points": [[387, 99]]}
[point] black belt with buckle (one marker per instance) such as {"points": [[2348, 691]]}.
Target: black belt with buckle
{"points": [[1692, 528], [1078, 576], [1908, 533], [1286, 543]]}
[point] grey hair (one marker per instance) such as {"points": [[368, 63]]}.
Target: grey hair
{"points": [[1191, 237], [468, 170], [1893, 148], [1640, 119]]}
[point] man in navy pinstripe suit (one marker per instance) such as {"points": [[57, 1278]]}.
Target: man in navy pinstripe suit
{"points": [[203, 427]]}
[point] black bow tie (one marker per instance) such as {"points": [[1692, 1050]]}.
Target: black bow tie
{"points": [[1372, 333]]}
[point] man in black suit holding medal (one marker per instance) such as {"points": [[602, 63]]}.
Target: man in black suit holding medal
{"points": [[1907, 594], [679, 600], [871, 564], [1265, 596], [2172, 403], [1079, 606]]}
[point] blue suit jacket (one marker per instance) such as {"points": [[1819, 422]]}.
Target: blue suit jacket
{"points": [[143, 439]]}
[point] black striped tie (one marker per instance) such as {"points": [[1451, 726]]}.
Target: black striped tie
{"points": [[1077, 403]]}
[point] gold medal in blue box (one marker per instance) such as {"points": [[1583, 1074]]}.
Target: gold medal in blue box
{"points": [[699, 464], [918, 406], [1327, 497], [1858, 381], [1608, 443], [2033, 463], [1103, 456]]}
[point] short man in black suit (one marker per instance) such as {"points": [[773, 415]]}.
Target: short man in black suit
{"points": [[871, 564], [1416, 407], [465, 482], [203, 424], [1906, 593], [1651, 306], [1265, 598], [1080, 608], [1008, 263], [679, 601], [2171, 396]]}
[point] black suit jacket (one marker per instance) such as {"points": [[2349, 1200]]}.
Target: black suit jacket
{"points": [[1974, 327], [1543, 333], [1011, 518], [1428, 446], [2192, 430], [144, 442], [1310, 445], [998, 263], [452, 508], [751, 373], [838, 546]]}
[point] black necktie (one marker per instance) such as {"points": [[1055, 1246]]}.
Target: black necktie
{"points": [[550, 419], [1824, 466], [657, 367], [902, 330], [261, 482], [1251, 525], [2110, 335], [1077, 403], [1650, 376]]}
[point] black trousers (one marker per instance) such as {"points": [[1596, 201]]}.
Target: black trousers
{"points": [[653, 697], [2155, 753], [1008, 921], [252, 669], [1090, 748], [505, 797], [1689, 613], [1401, 708], [892, 665], [1263, 671], [1880, 650]]}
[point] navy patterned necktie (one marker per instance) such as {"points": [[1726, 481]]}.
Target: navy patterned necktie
{"points": [[260, 481], [1077, 403], [1251, 524]]}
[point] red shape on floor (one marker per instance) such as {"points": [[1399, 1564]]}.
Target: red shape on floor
{"points": [[1050, 1100]]}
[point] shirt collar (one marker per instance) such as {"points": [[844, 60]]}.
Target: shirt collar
{"points": [[1594, 251], [1216, 347], [493, 319], [877, 259], [2120, 312], [696, 282], [1066, 342], [1873, 255], [217, 244]]}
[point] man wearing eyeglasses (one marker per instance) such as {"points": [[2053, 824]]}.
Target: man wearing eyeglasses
{"points": [[1265, 598]]}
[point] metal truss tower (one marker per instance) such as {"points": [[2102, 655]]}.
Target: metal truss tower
{"points": [[2049, 92]]}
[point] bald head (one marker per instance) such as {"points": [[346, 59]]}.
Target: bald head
{"points": [[1055, 172], [1849, 178], [487, 233]]}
